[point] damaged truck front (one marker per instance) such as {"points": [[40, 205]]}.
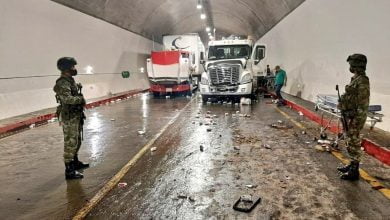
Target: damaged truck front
{"points": [[232, 68]]}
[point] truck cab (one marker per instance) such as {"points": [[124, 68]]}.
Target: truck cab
{"points": [[232, 68]]}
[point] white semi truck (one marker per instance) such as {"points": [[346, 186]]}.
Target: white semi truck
{"points": [[232, 68], [177, 68]]}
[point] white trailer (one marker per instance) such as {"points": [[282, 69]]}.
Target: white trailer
{"points": [[190, 43]]}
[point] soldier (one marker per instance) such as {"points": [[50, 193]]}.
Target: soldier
{"points": [[71, 115], [354, 107], [280, 81]]}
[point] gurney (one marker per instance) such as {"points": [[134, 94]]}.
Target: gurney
{"points": [[327, 104]]}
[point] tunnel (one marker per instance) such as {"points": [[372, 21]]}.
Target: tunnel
{"points": [[194, 109]]}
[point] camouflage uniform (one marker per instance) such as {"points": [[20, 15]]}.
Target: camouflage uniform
{"points": [[354, 105], [70, 114]]}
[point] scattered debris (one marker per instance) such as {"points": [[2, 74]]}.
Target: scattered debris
{"points": [[319, 148], [237, 112], [251, 186], [208, 129], [153, 149], [280, 126], [303, 132], [141, 132], [201, 148], [300, 113], [112, 119], [32, 126], [307, 142], [182, 196], [226, 114], [236, 147], [266, 146], [192, 199], [246, 203], [200, 123], [193, 122], [280, 121], [324, 142], [122, 185]]}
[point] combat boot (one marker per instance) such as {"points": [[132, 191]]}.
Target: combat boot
{"points": [[352, 173], [78, 164], [71, 173], [344, 169]]}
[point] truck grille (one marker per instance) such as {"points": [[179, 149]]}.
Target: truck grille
{"points": [[226, 74]]}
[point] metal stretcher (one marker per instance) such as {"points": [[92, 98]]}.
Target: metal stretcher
{"points": [[327, 104]]}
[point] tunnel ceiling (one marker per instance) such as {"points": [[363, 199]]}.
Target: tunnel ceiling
{"points": [[154, 18]]}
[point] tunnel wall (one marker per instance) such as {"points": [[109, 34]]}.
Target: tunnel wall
{"points": [[34, 34], [313, 42]]}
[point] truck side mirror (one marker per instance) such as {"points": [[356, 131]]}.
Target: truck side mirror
{"points": [[259, 53]]}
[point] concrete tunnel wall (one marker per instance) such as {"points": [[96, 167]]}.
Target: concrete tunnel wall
{"points": [[313, 42], [34, 34]]}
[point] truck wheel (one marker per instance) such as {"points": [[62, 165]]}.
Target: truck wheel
{"points": [[205, 98]]}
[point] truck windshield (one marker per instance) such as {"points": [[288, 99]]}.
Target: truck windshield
{"points": [[229, 52]]}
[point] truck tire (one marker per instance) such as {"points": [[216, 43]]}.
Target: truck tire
{"points": [[205, 98]]}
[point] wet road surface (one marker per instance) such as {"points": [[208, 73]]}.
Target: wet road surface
{"points": [[32, 184], [181, 179]]}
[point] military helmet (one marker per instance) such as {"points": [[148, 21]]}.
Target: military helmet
{"points": [[66, 63], [357, 61]]}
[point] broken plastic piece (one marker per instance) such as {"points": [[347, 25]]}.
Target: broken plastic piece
{"points": [[245, 205], [121, 185], [153, 149], [141, 132]]}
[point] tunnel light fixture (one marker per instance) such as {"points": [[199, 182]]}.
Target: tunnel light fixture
{"points": [[203, 16], [208, 29], [211, 37], [209, 34], [88, 69], [199, 5]]}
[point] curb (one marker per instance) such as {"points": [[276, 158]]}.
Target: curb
{"points": [[370, 147], [14, 128]]}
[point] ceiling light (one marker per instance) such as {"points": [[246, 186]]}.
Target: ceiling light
{"points": [[208, 29], [203, 16], [209, 34], [199, 5]]}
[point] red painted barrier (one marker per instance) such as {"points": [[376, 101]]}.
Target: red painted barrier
{"points": [[42, 119], [371, 148]]}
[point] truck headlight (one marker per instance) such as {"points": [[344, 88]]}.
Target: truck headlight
{"points": [[246, 78], [204, 80]]}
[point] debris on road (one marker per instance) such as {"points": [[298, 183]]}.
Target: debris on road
{"points": [[153, 149], [246, 203], [303, 132], [251, 186], [226, 114], [32, 126], [182, 196], [201, 148], [141, 132], [191, 199], [208, 129], [112, 119], [236, 147], [266, 146], [319, 148], [280, 126], [122, 185]]}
